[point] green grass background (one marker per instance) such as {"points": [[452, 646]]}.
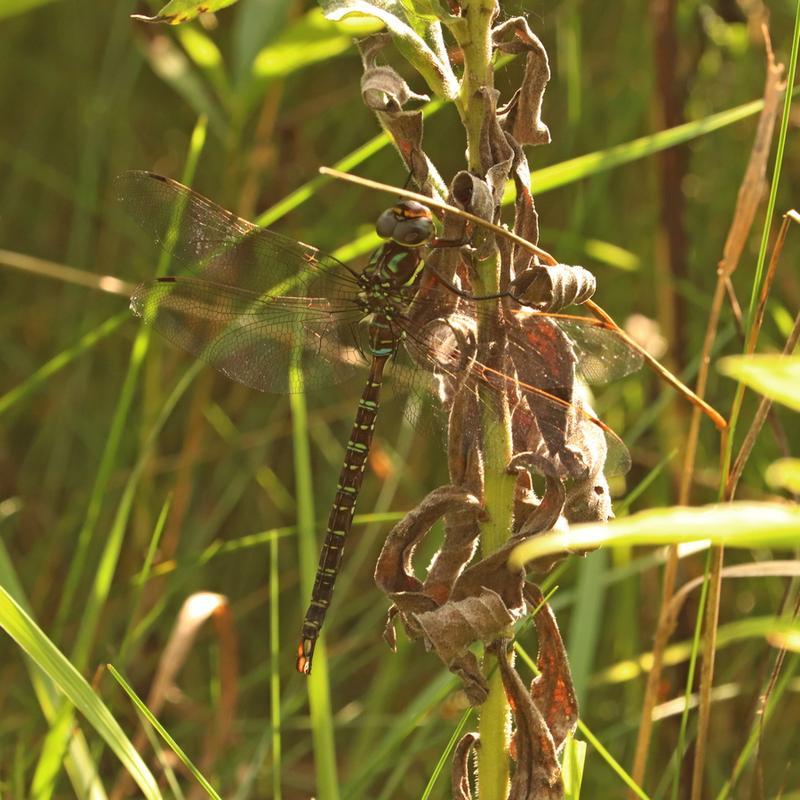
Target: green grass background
{"points": [[102, 427]]}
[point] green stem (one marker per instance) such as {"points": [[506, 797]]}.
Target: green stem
{"points": [[474, 36], [493, 759]]}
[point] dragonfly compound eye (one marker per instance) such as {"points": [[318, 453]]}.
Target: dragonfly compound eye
{"points": [[413, 231], [408, 223], [386, 223]]}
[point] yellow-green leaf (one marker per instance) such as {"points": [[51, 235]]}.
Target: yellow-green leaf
{"points": [[309, 40], [731, 524], [776, 377], [785, 474], [177, 12]]}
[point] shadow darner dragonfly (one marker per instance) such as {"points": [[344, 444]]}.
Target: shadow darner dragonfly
{"points": [[263, 308]]}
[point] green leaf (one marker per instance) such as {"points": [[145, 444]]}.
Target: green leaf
{"points": [[32, 640], [257, 23], [309, 40], [572, 767], [170, 63], [177, 12], [785, 474], [776, 377], [437, 73], [731, 524], [431, 10]]}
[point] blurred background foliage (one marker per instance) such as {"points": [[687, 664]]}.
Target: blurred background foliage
{"points": [[86, 94]]}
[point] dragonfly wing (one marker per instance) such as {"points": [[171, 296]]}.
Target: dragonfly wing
{"points": [[598, 351], [254, 339], [212, 243], [549, 413]]}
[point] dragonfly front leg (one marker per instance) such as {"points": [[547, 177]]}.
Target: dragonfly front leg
{"points": [[341, 514]]}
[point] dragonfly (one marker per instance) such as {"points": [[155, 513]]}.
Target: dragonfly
{"points": [[279, 315]]}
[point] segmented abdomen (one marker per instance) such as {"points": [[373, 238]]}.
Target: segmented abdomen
{"points": [[341, 515]]}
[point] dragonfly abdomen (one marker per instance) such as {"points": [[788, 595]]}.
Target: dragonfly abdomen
{"points": [[341, 514]]}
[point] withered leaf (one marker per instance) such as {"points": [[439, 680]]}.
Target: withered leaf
{"points": [[460, 771], [522, 115], [537, 775], [552, 690]]}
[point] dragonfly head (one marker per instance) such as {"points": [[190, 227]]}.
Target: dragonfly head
{"points": [[408, 223]]}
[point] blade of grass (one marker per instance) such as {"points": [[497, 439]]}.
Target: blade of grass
{"points": [[162, 731], [694, 655], [572, 767], [327, 785], [111, 449], [78, 563], [275, 658], [146, 571], [58, 362], [30, 637], [732, 524], [586, 621], [753, 325], [79, 763], [443, 758], [752, 740]]}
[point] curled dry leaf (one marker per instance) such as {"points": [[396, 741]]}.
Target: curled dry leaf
{"points": [[460, 771], [385, 92], [453, 627], [554, 287], [496, 152], [546, 514], [394, 572], [552, 690], [471, 193], [522, 115], [537, 773]]}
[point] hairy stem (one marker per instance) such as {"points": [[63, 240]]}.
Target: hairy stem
{"points": [[475, 39]]}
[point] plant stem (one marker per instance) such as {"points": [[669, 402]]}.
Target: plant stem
{"points": [[498, 501], [476, 42], [474, 36]]}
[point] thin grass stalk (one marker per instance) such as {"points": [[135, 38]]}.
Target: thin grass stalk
{"points": [[753, 328], [693, 656], [275, 659], [749, 193], [119, 420], [319, 697], [146, 571], [762, 252], [81, 649], [752, 740], [760, 417]]}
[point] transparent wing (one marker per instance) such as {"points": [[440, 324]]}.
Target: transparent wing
{"points": [[214, 244], [539, 385], [254, 338], [599, 352], [246, 299]]}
